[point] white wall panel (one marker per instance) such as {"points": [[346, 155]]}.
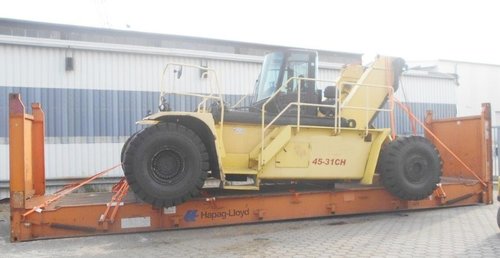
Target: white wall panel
{"points": [[478, 83], [72, 160], [32, 66], [4, 162], [328, 74], [419, 89], [26, 66], [81, 160]]}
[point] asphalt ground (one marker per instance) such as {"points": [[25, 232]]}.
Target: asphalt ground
{"points": [[470, 231]]}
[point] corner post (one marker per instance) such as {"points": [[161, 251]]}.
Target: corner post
{"points": [[486, 152], [38, 148], [17, 150], [18, 164]]}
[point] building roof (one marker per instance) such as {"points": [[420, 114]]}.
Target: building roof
{"points": [[34, 29], [467, 62]]}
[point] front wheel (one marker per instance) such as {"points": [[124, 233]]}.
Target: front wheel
{"points": [[410, 167], [125, 145], [166, 164]]}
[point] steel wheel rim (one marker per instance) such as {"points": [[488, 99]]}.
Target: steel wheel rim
{"points": [[167, 167]]}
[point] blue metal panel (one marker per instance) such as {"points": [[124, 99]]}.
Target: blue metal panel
{"points": [[4, 112], [403, 124], [83, 113], [110, 113]]}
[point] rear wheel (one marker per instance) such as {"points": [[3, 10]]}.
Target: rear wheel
{"points": [[166, 164], [410, 167]]}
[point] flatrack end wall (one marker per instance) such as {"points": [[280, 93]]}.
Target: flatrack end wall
{"points": [[27, 164], [471, 140]]}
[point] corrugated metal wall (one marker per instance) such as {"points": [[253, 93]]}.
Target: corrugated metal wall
{"points": [[90, 111], [421, 93], [27, 66], [495, 136], [107, 92]]}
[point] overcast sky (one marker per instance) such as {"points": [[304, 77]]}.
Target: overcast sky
{"points": [[415, 30]]}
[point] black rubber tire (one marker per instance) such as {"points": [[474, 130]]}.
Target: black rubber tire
{"points": [[166, 164], [410, 167], [125, 145]]}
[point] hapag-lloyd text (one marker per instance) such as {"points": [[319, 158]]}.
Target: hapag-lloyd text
{"points": [[224, 214]]}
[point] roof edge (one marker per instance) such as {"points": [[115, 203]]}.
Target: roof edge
{"points": [[155, 34]]}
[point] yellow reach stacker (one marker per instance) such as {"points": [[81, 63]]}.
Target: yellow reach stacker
{"points": [[301, 147]]}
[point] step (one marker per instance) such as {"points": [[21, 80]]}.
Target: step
{"points": [[241, 187], [249, 184], [240, 171], [254, 154], [275, 146]]}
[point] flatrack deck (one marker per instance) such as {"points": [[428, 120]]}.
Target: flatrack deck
{"points": [[84, 214]]}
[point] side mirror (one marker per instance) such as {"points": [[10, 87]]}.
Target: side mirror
{"points": [[178, 72]]}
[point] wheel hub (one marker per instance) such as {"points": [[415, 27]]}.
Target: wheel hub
{"points": [[415, 169], [167, 167]]}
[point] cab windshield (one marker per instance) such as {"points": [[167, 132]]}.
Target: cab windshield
{"points": [[269, 75], [279, 67]]}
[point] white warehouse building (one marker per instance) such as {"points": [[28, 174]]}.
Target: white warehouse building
{"points": [[94, 84], [477, 83]]}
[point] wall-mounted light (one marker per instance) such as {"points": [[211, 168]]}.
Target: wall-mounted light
{"points": [[69, 62]]}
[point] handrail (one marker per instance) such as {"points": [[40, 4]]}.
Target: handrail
{"points": [[338, 108], [367, 109], [240, 101], [298, 104], [206, 70], [202, 106]]}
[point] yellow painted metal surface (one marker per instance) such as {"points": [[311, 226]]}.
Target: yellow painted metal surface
{"points": [[369, 93], [330, 156], [207, 118], [219, 143], [235, 160], [371, 164], [295, 154], [254, 154], [240, 138], [311, 153], [276, 145], [349, 75]]}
